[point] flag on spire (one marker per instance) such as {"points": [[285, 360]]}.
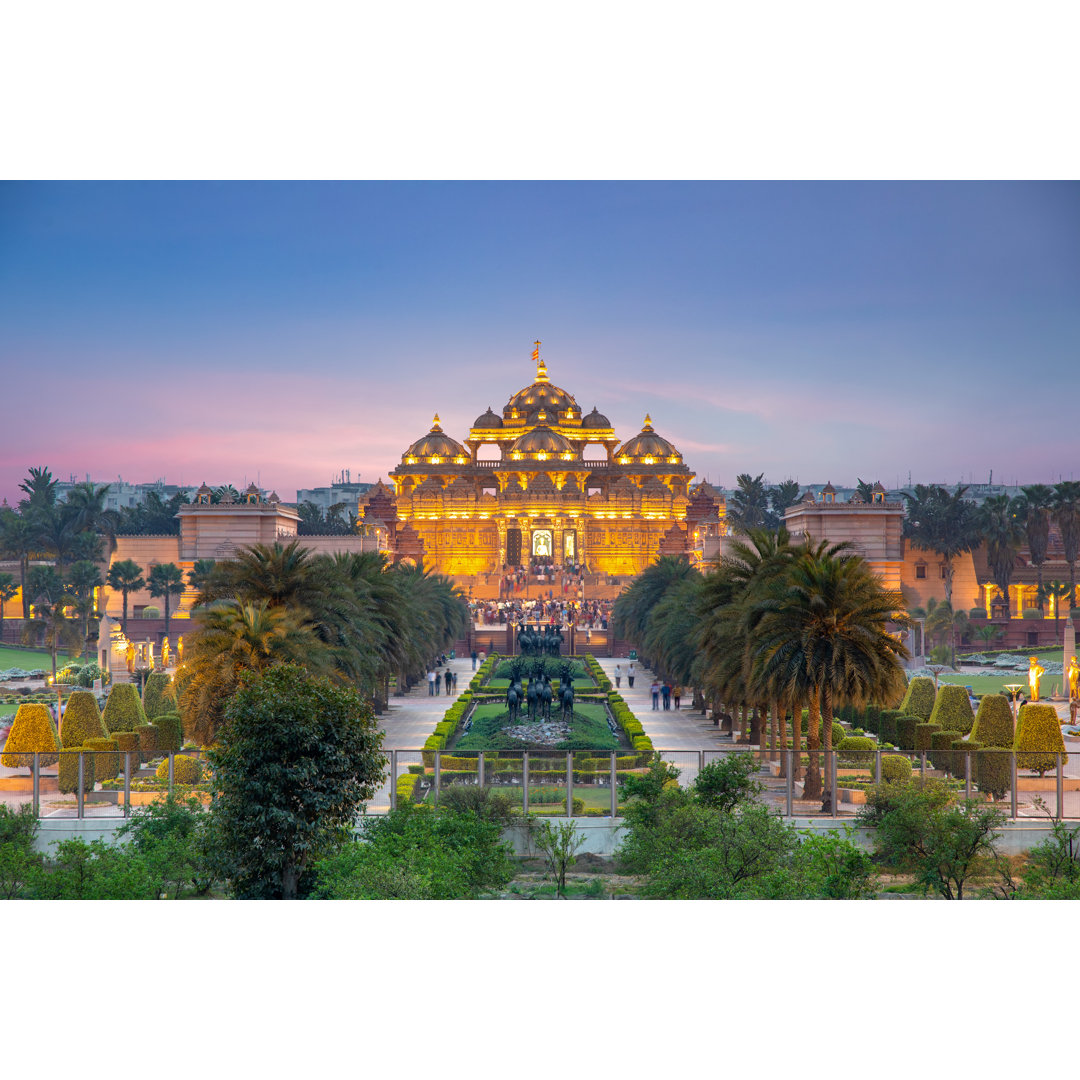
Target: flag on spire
{"points": [[536, 351]]}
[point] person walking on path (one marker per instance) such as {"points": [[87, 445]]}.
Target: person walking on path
{"points": [[618, 675], [655, 691], [665, 691], [431, 683], [448, 679], [676, 693], [474, 659], [454, 682], [630, 676]]}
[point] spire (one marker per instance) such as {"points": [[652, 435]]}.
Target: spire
{"points": [[541, 367], [648, 423], [435, 423]]}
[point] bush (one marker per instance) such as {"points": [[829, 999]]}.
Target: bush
{"points": [[952, 710], [992, 771], [923, 734], [919, 698], [959, 750], [895, 769], [905, 733], [1032, 613], [887, 724], [150, 612], [32, 730], [856, 750], [128, 742], [123, 709], [408, 788], [148, 742], [941, 755], [1038, 739], [158, 697], [993, 722], [872, 720], [69, 770], [186, 769], [170, 735], [106, 758], [81, 719]]}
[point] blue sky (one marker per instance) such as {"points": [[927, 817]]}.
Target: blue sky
{"points": [[228, 331]]}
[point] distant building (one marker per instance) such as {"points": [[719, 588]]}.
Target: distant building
{"points": [[343, 490]]}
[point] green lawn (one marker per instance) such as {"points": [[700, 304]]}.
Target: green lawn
{"points": [[588, 730], [30, 659]]}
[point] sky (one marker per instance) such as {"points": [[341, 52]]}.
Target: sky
{"points": [[281, 332]]}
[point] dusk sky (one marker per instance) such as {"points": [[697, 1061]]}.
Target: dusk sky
{"points": [[283, 332]]}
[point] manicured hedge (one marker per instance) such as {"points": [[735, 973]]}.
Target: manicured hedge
{"points": [[106, 758], [128, 742], [941, 755], [887, 725], [856, 750], [186, 769], [170, 735], [123, 709], [919, 698], [81, 719], [992, 770], [894, 767], [872, 719], [1038, 739], [923, 734], [69, 771], [994, 722], [905, 732], [960, 749], [148, 742], [952, 710], [408, 788], [158, 697], [32, 730]]}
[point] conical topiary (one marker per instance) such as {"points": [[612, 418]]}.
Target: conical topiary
{"points": [[32, 730], [952, 710], [1038, 739], [81, 720], [919, 699], [158, 697], [993, 721], [106, 758], [68, 772], [123, 710]]}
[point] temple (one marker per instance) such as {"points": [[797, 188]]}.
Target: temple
{"points": [[555, 483]]}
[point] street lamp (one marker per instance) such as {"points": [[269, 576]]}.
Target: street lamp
{"points": [[1014, 689]]}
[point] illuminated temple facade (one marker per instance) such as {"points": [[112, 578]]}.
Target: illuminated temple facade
{"points": [[614, 511]]}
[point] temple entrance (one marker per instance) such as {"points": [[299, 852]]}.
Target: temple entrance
{"points": [[569, 540], [513, 547], [541, 543]]}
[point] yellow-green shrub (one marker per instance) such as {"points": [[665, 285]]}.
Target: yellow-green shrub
{"points": [[941, 755], [952, 710], [993, 770], [905, 733], [1038, 739], [106, 758], [158, 696], [408, 788], [123, 709], [69, 770], [32, 730], [186, 769], [894, 767], [128, 742], [170, 737], [994, 722], [81, 719], [856, 750], [960, 750], [919, 698], [148, 741], [923, 735]]}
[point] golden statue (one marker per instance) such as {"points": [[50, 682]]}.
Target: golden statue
{"points": [[1035, 672], [1074, 677], [165, 653], [180, 649], [129, 656]]}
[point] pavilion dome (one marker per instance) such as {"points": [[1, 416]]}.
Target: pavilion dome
{"points": [[595, 419], [542, 440], [646, 444], [542, 394], [489, 420], [435, 444]]}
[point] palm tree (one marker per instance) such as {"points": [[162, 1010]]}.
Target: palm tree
{"points": [[166, 581], [821, 636], [1034, 508], [943, 622], [231, 639], [1001, 528], [55, 532], [58, 630], [633, 607], [85, 505], [18, 535], [1067, 518], [8, 591], [782, 496], [1056, 591], [748, 507], [200, 571], [865, 490], [83, 578], [942, 523], [40, 488], [128, 578]]}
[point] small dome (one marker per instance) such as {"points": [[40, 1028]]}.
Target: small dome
{"points": [[435, 444], [595, 420], [488, 420], [541, 440], [646, 444]]}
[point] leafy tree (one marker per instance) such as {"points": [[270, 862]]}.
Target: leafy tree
{"points": [[921, 828], [1066, 510], [297, 757], [1034, 507], [76, 870], [8, 591], [127, 578], [943, 523], [19, 862], [166, 581], [559, 845], [725, 783], [175, 838]]}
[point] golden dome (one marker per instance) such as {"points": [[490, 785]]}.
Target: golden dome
{"points": [[647, 445], [543, 394], [595, 419], [488, 420], [542, 440], [435, 448]]}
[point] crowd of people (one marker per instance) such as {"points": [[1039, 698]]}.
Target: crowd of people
{"points": [[568, 579], [585, 615]]}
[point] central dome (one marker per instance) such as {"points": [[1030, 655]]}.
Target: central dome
{"points": [[542, 440], [543, 394]]}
